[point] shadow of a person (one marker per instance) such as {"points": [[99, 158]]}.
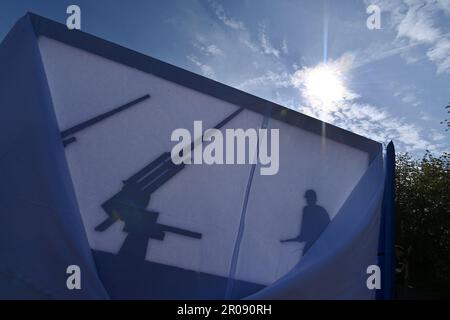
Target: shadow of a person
{"points": [[314, 220]]}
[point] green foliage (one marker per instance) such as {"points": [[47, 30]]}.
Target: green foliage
{"points": [[447, 121], [423, 218]]}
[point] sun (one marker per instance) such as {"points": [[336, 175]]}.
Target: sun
{"points": [[326, 87], [324, 84]]}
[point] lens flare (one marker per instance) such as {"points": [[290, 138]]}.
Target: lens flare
{"points": [[324, 84], [324, 87]]}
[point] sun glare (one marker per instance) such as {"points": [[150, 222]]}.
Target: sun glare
{"points": [[324, 84]]}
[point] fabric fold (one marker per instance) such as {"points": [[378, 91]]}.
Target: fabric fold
{"points": [[335, 266], [42, 232]]}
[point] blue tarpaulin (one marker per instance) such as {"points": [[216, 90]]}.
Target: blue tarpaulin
{"points": [[42, 232]]}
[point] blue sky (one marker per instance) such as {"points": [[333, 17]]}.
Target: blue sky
{"points": [[317, 57]]}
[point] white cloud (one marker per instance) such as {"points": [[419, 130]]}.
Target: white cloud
{"points": [[440, 55], [214, 50], [437, 136], [265, 42], [444, 5], [206, 48], [284, 47], [263, 45], [417, 24], [414, 20], [242, 33], [378, 124], [268, 79], [424, 116], [336, 103], [206, 70], [410, 99], [222, 16], [254, 65], [408, 95]]}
